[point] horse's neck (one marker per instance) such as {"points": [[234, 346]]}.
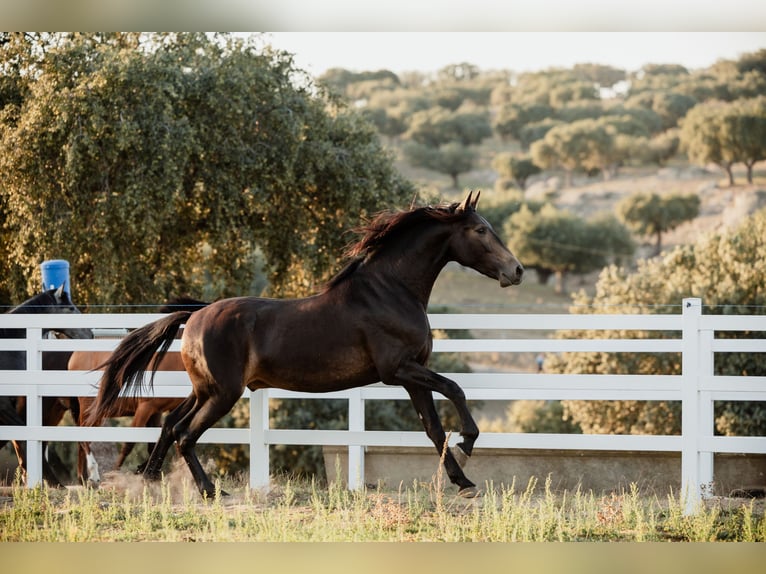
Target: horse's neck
{"points": [[414, 264]]}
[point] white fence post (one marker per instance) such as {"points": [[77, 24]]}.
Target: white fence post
{"points": [[355, 452], [259, 449], [690, 404], [34, 408], [706, 414]]}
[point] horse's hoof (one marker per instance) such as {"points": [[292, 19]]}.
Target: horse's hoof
{"points": [[460, 456], [468, 492]]}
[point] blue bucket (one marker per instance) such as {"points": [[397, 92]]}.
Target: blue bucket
{"points": [[55, 272]]}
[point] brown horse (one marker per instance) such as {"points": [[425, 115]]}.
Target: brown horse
{"points": [[369, 324], [146, 411]]}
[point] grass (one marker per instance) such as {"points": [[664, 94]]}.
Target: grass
{"points": [[303, 511]]}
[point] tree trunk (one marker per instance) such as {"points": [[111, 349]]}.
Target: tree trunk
{"points": [[658, 244], [560, 282], [749, 165], [730, 173], [543, 275]]}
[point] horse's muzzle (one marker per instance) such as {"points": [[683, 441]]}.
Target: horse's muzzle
{"points": [[512, 278]]}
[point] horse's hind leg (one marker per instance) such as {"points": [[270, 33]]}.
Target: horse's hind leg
{"points": [[153, 467], [206, 413]]}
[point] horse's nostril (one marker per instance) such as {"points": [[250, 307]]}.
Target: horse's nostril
{"points": [[519, 271]]}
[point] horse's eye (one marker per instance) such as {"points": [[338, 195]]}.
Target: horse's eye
{"points": [[481, 230]]}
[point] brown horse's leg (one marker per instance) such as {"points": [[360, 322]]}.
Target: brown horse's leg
{"points": [[153, 468], [204, 415], [424, 405], [87, 467], [145, 416], [415, 374], [154, 420]]}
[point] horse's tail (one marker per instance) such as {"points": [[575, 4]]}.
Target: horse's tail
{"points": [[142, 350]]}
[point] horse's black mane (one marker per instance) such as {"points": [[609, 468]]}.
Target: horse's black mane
{"points": [[388, 224], [385, 227]]}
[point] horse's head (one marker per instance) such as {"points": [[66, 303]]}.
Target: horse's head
{"points": [[475, 244], [60, 302]]}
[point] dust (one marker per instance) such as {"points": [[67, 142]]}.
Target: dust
{"points": [[177, 487], [177, 484]]}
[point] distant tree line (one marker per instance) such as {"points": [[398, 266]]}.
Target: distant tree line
{"points": [[589, 118]]}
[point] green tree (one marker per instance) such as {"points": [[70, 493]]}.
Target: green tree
{"points": [[701, 139], [438, 126], [451, 158], [582, 145], [670, 106], [726, 271], [515, 167], [749, 125], [726, 133], [502, 204], [535, 131], [558, 242], [155, 162], [651, 215], [663, 147], [602, 75], [513, 117]]}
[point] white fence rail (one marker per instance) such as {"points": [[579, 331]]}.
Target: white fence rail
{"points": [[697, 388]]}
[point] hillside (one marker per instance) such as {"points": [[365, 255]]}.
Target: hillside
{"points": [[721, 207]]}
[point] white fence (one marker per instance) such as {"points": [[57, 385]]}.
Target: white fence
{"points": [[697, 388]]}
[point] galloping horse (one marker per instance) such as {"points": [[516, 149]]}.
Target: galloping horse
{"points": [[369, 324], [11, 408], [146, 411]]}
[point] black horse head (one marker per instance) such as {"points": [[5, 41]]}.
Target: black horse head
{"points": [[54, 301]]}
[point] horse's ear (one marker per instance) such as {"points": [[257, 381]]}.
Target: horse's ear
{"points": [[59, 294], [466, 204], [475, 201]]}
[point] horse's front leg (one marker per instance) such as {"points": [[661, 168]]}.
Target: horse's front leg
{"points": [[413, 372], [423, 402], [420, 382]]}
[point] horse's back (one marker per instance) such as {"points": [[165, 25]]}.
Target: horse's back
{"points": [[308, 344]]}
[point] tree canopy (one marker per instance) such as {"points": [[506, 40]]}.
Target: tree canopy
{"points": [[159, 163], [726, 133], [726, 271], [557, 241], [649, 214]]}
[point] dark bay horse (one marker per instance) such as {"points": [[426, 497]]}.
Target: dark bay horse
{"points": [[146, 411], [368, 325], [12, 410]]}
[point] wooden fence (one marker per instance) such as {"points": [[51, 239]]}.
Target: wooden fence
{"points": [[691, 334]]}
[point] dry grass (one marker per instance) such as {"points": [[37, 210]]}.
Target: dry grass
{"points": [[127, 509]]}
